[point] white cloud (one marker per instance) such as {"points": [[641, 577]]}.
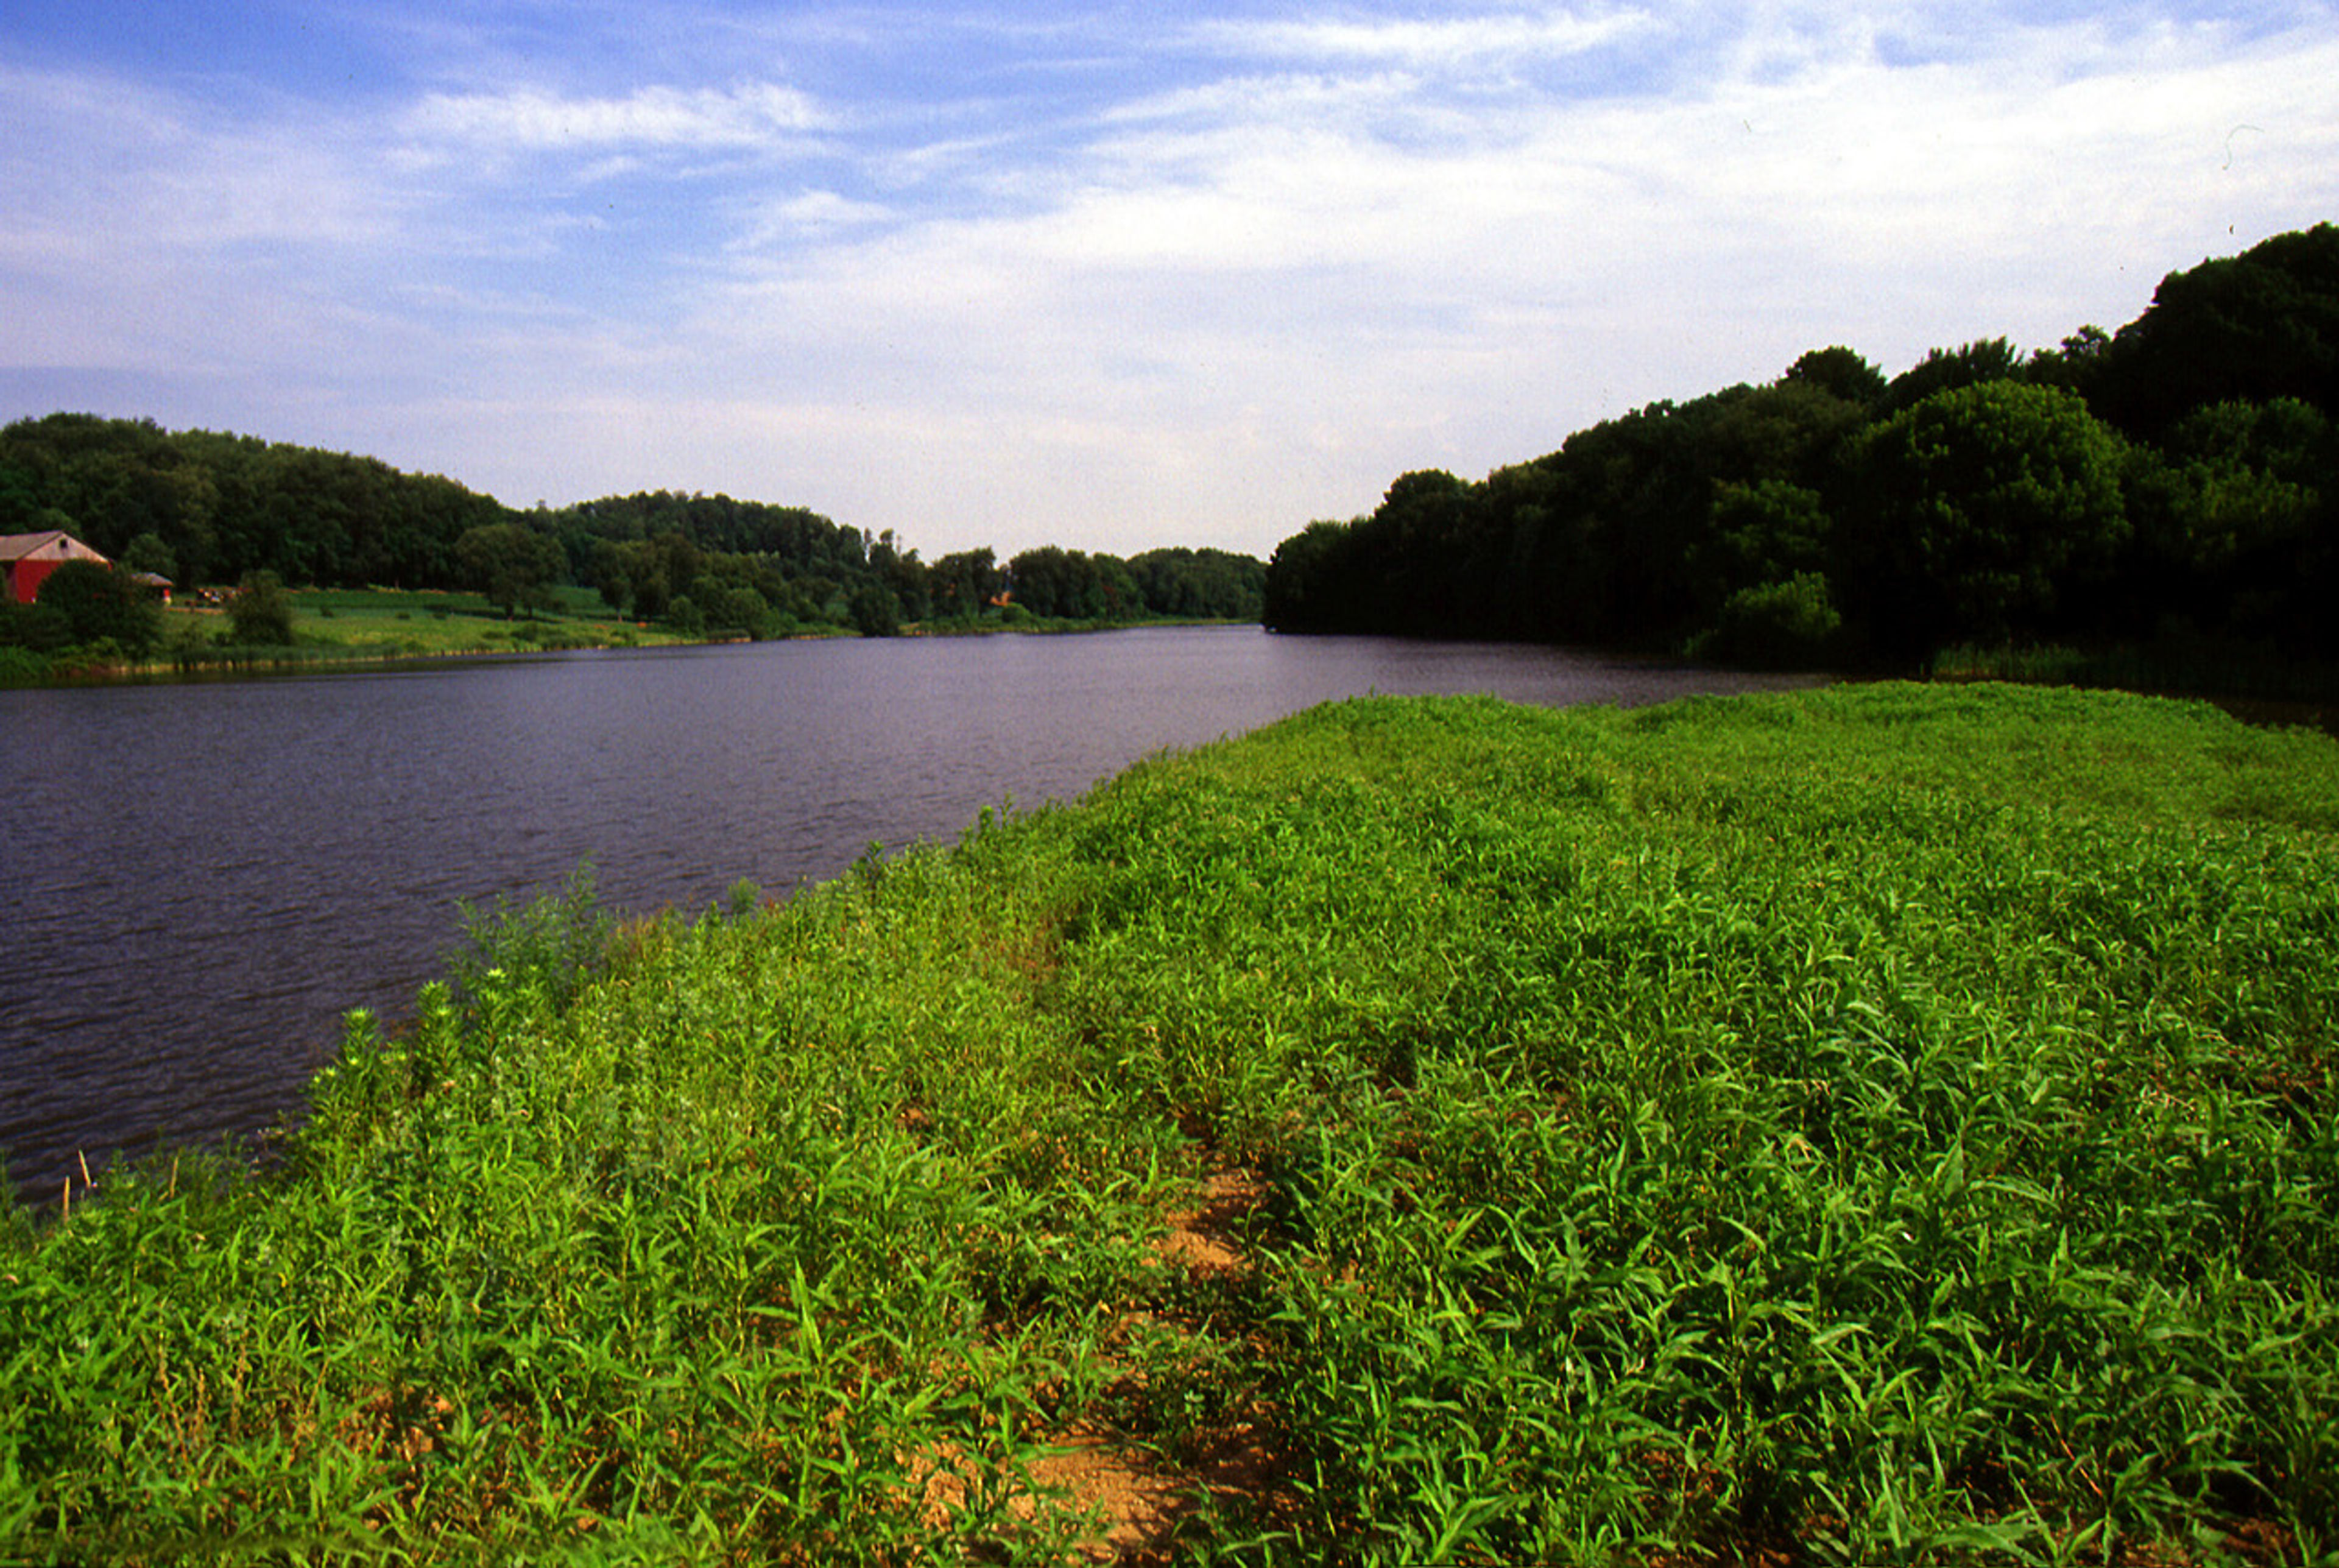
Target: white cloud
{"points": [[747, 117], [1205, 303], [98, 163], [1469, 41], [808, 215], [1278, 307], [150, 231]]}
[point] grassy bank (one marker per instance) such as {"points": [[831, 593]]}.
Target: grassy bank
{"points": [[334, 625], [337, 626], [1882, 1124]]}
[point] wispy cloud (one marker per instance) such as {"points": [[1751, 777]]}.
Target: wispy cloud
{"points": [[1507, 38], [1125, 280], [745, 117]]}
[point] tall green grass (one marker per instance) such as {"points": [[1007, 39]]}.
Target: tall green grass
{"points": [[1884, 1124]]}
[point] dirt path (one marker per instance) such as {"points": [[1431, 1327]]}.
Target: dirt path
{"points": [[1142, 1499]]}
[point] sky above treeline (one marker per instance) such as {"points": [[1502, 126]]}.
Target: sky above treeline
{"points": [[1108, 276]]}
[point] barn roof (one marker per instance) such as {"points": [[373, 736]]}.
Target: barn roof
{"points": [[54, 545]]}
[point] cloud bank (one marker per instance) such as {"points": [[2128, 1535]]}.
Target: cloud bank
{"points": [[1110, 281]]}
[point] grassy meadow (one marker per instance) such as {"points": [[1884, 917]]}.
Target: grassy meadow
{"points": [[341, 626], [1884, 1124], [334, 624]]}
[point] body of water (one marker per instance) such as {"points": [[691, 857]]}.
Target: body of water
{"points": [[199, 879]]}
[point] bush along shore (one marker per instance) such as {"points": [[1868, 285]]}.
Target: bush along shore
{"points": [[322, 630], [1886, 1124]]}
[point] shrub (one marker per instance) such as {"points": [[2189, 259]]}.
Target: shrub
{"points": [[1777, 625], [98, 603], [261, 613]]}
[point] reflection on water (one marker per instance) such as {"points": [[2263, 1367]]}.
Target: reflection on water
{"points": [[200, 879]]}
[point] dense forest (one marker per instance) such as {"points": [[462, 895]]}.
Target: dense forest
{"points": [[204, 508], [2174, 479]]}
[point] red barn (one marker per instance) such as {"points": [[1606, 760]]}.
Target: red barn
{"points": [[27, 559]]}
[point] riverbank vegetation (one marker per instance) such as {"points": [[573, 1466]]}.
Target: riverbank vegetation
{"points": [[199, 508], [266, 627], [1870, 1125], [2173, 484]]}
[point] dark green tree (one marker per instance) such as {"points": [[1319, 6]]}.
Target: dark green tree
{"points": [[20, 500], [1205, 584], [513, 565], [1761, 534], [1306, 588], [1072, 585], [2234, 518], [260, 615], [1839, 372], [1945, 370], [900, 571], [148, 553], [1973, 508], [100, 605], [963, 584], [1780, 625], [876, 612], [2078, 364], [2255, 326]]}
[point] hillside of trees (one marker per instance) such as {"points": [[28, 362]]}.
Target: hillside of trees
{"points": [[2175, 479], [204, 508]]}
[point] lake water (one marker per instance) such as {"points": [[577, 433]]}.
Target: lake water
{"points": [[199, 879]]}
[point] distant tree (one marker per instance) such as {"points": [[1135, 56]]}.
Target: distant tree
{"points": [[2078, 364], [1763, 533], [1413, 555], [260, 615], [901, 570], [1310, 579], [34, 626], [98, 603], [1973, 507], [2234, 520], [1971, 496], [224, 505], [876, 612], [148, 553], [1946, 369], [639, 577], [1776, 626], [20, 500], [729, 603], [1839, 372], [963, 584], [1202, 584], [1072, 585], [2255, 326], [513, 565]]}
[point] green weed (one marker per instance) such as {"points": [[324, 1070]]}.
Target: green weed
{"points": [[1885, 1124]]}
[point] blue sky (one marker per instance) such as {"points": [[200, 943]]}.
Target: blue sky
{"points": [[1104, 276]]}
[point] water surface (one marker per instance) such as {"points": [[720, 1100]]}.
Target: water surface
{"points": [[199, 878]]}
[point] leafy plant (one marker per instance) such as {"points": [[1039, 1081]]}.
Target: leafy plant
{"points": [[1884, 1124], [554, 943]]}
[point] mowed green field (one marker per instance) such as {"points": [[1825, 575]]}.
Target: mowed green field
{"points": [[1886, 1124], [382, 623]]}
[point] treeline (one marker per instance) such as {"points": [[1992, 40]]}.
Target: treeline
{"points": [[204, 508], [2177, 479], [199, 506], [700, 562]]}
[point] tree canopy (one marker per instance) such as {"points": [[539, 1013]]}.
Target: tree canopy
{"points": [[203, 508], [2182, 470]]}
